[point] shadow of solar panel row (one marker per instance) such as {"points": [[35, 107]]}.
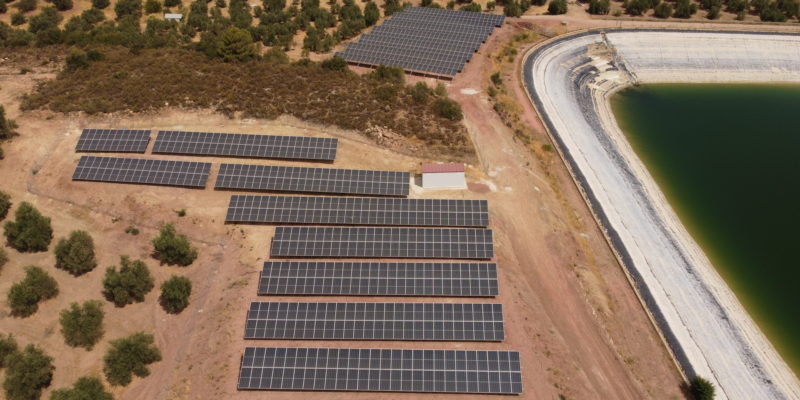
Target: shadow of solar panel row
{"points": [[381, 370], [378, 279], [467, 17], [312, 180], [423, 40], [113, 141], [357, 211], [242, 145], [360, 242], [141, 171], [375, 321], [376, 57]]}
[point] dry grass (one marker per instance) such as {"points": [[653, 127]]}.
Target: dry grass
{"points": [[159, 78]]}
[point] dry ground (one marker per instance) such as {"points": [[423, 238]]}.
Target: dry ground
{"points": [[568, 307]]}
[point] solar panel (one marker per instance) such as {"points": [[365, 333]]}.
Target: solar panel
{"points": [[241, 145], [113, 140], [142, 171], [375, 321], [381, 370], [361, 242], [378, 279], [357, 211], [313, 180], [424, 40]]}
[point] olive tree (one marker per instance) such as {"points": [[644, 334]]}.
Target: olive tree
{"points": [[30, 232], [173, 248], [128, 285], [29, 371], [24, 296], [85, 388], [5, 204], [76, 253], [130, 356], [175, 294], [82, 325]]}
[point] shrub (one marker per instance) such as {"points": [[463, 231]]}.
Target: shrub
{"points": [[684, 9], [702, 389], [26, 5], [335, 63], [3, 7], [82, 326], [490, 5], [8, 346], [76, 253], [132, 8], [85, 388], [63, 5], [472, 7], [512, 9], [131, 231], [235, 44], [389, 74], [5, 201], [736, 6], [3, 258], [557, 7], [130, 356], [497, 80], [172, 3], [663, 10], [448, 108], [7, 126], [636, 7], [24, 296], [173, 248], [29, 371], [152, 6], [129, 285], [713, 12], [599, 7], [100, 4], [175, 294], [371, 13], [276, 55], [18, 18], [420, 93], [385, 92], [30, 232]]}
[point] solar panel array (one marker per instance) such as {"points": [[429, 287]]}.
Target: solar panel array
{"points": [[313, 180], [375, 321], [378, 279], [136, 170], [382, 242], [386, 370], [424, 40], [241, 145], [113, 141], [357, 211]]}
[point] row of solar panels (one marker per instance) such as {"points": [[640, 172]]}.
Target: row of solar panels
{"points": [[209, 144], [242, 177]]}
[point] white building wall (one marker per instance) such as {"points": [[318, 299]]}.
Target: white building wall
{"points": [[444, 180]]}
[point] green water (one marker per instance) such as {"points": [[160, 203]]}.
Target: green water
{"points": [[728, 159]]}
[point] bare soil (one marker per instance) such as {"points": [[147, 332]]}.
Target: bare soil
{"points": [[568, 307]]}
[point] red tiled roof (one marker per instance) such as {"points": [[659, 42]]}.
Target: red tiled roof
{"points": [[449, 167]]}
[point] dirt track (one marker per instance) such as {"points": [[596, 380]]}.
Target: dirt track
{"points": [[568, 307]]}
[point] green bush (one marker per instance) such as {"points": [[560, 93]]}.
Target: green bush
{"points": [[18, 18], [129, 285], [26, 5], [63, 5], [448, 108], [472, 7], [172, 3], [29, 371], [76, 253], [684, 9], [713, 12], [30, 232], [85, 388], [512, 9], [152, 7], [599, 7], [389, 74], [420, 93], [175, 294], [276, 55], [24, 296], [663, 10], [3, 7], [335, 63], [100, 4], [82, 325], [497, 80], [702, 389], [371, 13], [5, 204], [173, 248], [557, 7], [132, 8], [7, 126], [236, 44], [3, 258], [8, 346], [130, 356]]}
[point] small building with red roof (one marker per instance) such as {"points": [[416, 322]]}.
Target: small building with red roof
{"points": [[443, 176]]}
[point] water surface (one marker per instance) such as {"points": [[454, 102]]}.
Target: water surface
{"points": [[728, 159]]}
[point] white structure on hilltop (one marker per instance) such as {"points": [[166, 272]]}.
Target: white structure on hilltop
{"points": [[443, 176], [176, 17]]}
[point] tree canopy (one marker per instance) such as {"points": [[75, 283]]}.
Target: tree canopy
{"points": [[7, 126], [82, 325], [8, 346], [130, 356], [557, 7], [24, 296], [236, 44], [29, 371], [5, 204], [173, 248], [175, 294], [702, 389], [76, 253], [85, 388], [30, 232], [129, 285]]}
